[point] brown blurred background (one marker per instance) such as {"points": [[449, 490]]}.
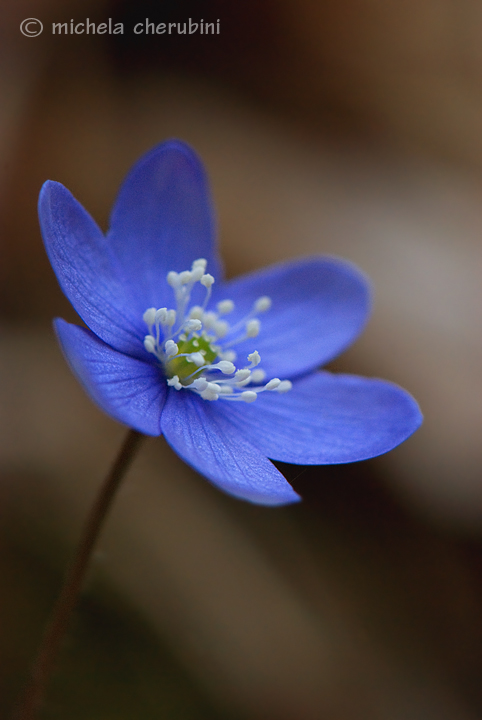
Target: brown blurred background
{"points": [[350, 128]]}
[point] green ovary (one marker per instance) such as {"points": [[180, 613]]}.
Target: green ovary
{"points": [[181, 366]]}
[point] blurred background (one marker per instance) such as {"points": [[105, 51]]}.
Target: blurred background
{"points": [[351, 128]]}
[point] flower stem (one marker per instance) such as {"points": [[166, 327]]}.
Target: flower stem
{"points": [[44, 663]]}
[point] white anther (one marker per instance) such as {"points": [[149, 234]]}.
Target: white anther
{"points": [[262, 304], [211, 392], [209, 319], [228, 355], [210, 327], [193, 325], [150, 344], [225, 306], [170, 317], [149, 316], [174, 382], [185, 277], [254, 358], [161, 315], [171, 348], [284, 386], [207, 280], [196, 312], [226, 367], [257, 376], [200, 262], [197, 273], [252, 328], [197, 358], [242, 383], [173, 279], [200, 384], [221, 328], [248, 396], [209, 395]]}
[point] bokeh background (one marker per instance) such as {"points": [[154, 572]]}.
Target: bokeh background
{"points": [[347, 127]]}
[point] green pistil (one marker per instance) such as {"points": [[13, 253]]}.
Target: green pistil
{"points": [[181, 366]]}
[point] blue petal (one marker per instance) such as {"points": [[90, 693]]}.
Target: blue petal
{"points": [[217, 450], [327, 419], [87, 271], [320, 306], [129, 390], [162, 221]]}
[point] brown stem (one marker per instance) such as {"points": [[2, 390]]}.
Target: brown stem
{"points": [[43, 666]]}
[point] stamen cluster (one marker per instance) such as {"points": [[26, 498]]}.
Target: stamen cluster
{"points": [[194, 345]]}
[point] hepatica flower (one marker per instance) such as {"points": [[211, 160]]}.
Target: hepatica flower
{"points": [[227, 371]]}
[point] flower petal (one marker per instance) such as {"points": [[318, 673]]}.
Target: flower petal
{"points": [[86, 269], [320, 305], [162, 221], [129, 390], [327, 419], [218, 450]]}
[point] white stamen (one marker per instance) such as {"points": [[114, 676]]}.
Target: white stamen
{"points": [[254, 358], [262, 304], [252, 328], [161, 315], [241, 375], [221, 328], [211, 392], [197, 339], [185, 277], [173, 279], [209, 319], [170, 317], [174, 382], [200, 384], [207, 280], [257, 376], [171, 348], [197, 358], [197, 273], [201, 262], [150, 343], [196, 312], [242, 383], [193, 325], [228, 355], [149, 316], [225, 307], [248, 396], [226, 367]]}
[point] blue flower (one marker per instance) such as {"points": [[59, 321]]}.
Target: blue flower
{"points": [[172, 348]]}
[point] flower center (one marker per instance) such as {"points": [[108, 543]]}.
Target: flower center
{"points": [[194, 345], [182, 363]]}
